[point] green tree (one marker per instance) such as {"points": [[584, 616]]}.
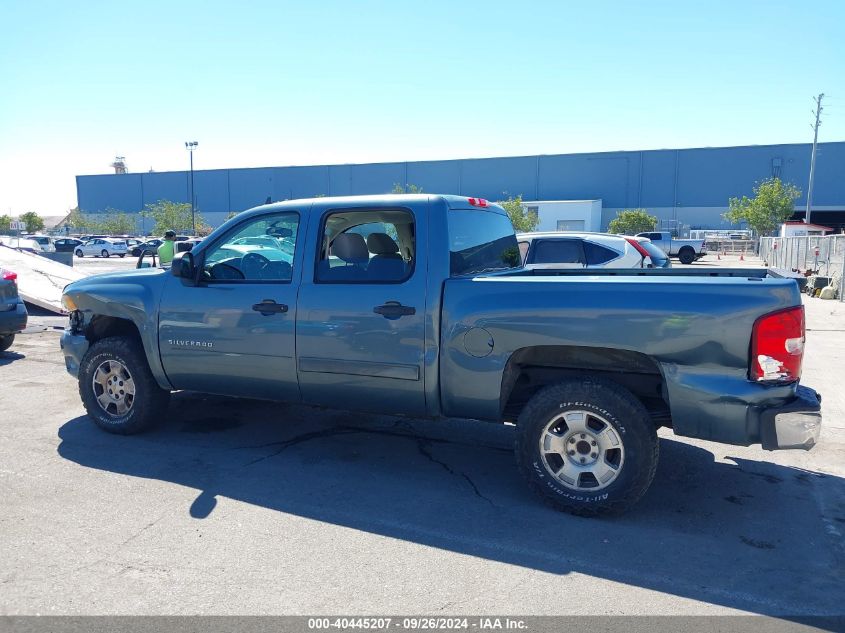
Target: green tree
{"points": [[522, 219], [118, 223], [631, 222], [79, 223], [772, 205], [398, 187], [34, 222], [171, 215], [5, 221]]}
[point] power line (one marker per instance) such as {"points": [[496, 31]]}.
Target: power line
{"points": [[818, 113]]}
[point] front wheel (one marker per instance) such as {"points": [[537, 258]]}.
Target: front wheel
{"points": [[79, 253], [686, 255], [104, 253], [587, 447], [118, 389], [123, 255], [6, 342]]}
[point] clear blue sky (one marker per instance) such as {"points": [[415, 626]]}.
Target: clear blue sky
{"points": [[281, 83]]}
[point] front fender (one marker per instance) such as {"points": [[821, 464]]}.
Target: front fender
{"points": [[132, 296]]}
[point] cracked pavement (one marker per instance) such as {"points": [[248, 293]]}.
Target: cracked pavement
{"points": [[237, 507]]}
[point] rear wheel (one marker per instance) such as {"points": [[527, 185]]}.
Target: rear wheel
{"points": [[118, 389], [588, 447], [686, 255], [104, 253], [123, 255], [6, 342]]}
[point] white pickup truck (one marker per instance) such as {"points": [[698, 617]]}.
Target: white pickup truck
{"points": [[687, 251]]}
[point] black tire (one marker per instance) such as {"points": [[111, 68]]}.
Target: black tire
{"points": [[686, 255], [6, 342], [630, 423], [79, 253], [122, 256], [104, 253], [149, 402]]}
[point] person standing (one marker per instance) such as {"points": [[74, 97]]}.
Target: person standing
{"points": [[167, 249]]}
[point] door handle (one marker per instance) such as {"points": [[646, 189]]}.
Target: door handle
{"points": [[268, 307], [394, 310]]}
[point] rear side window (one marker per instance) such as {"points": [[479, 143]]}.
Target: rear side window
{"points": [[557, 252], [367, 246], [597, 254]]}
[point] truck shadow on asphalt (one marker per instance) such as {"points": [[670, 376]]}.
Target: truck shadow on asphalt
{"points": [[748, 534]]}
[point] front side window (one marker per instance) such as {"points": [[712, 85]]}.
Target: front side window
{"points": [[367, 246], [481, 241], [260, 249]]}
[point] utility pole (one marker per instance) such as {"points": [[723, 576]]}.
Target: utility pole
{"points": [[191, 146], [818, 113]]}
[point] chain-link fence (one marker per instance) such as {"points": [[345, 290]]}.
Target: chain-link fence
{"points": [[822, 255]]}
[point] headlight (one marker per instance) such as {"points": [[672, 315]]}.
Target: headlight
{"points": [[68, 303]]}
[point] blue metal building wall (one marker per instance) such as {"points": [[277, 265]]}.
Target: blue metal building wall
{"points": [[703, 177]]}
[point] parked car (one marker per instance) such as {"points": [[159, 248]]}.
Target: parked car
{"points": [[21, 244], [566, 249], [102, 247], [418, 305], [12, 309], [66, 244], [150, 246], [687, 251], [45, 241], [187, 245]]}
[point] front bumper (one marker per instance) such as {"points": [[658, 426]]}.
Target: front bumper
{"points": [[74, 347], [796, 424], [13, 321]]}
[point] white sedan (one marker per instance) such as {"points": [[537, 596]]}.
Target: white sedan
{"points": [[102, 247], [563, 249]]}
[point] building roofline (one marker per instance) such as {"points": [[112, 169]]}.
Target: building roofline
{"points": [[477, 158]]}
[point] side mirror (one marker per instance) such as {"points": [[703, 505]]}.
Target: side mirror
{"points": [[183, 267]]}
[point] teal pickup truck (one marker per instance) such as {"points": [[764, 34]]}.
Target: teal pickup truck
{"points": [[417, 305]]}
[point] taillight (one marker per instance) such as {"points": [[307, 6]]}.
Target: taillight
{"points": [[479, 202], [636, 244], [8, 275], [777, 346]]}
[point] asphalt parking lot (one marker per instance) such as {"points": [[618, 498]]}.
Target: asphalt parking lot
{"points": [[237, 507]]}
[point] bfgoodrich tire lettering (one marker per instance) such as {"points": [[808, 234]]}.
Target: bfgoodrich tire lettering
{"points": [[149, 401], [606, 404]]}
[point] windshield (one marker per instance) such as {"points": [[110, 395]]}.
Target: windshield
{"points": [[481, 241]]}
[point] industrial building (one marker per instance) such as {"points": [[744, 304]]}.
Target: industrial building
{"points": [[685, 188]]}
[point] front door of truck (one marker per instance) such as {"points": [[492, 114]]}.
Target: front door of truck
{"points": [[361, 322], [233, 332]]}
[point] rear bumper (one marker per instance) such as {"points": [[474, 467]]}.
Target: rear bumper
{"points": [[12, 321], [796, 424]]}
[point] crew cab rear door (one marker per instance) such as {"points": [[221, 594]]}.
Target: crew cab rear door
{"points": [[361, 322], [233, 332]]}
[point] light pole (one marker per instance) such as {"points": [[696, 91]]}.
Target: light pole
{"points": [[191, 146]]}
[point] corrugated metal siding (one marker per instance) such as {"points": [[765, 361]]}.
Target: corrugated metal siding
{"points": [[705, 177]]}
